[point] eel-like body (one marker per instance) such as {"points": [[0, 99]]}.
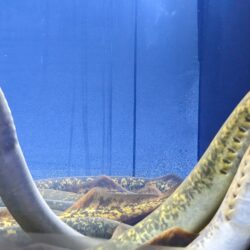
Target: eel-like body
{"points": [[200, 194], [128, 208], [19, 192], [82, 184], [56, 199], [94, 227], [196, 200], [107, 208], [230, 227]]}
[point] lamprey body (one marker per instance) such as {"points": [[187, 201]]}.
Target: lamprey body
{"points": [[196, 200], [18, 190], [230, 227], [82, 184]]}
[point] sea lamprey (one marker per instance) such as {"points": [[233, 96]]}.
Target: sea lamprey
{"points": [[230, 227], [18, 190], [75, 199], [196, 200], [190, 207]]}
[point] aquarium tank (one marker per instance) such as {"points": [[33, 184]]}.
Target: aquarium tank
{"points": [[124, 124]]}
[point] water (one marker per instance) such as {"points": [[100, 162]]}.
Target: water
{"points": [[69, 70], [114, 102]]}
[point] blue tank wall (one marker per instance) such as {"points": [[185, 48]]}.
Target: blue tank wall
{"points": [[224, 60], [102, 86]]}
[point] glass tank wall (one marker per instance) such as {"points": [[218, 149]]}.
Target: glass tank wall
{"points": [[102, 87]]}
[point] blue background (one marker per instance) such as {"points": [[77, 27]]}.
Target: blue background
{"points": [[224, 55], [115, 86]]}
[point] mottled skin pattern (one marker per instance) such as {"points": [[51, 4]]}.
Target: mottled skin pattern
{"points": [[105, 210], [164, 183], [127, 212], [133, 184], [196, 200], [82, 183], [93, 227], [57, 200], [128, 208], [200, 194], [94, 222], [20, 194], [230, 227]]}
